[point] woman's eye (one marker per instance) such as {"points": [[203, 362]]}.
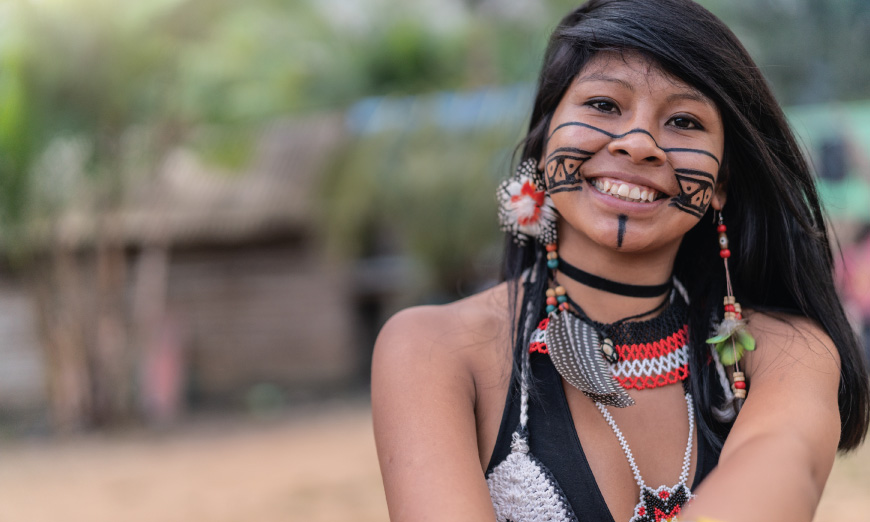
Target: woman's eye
{"points": [[603, 105], [682, 122]]}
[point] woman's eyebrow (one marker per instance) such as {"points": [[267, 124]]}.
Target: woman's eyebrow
{"points": [[600, 77], [690, 95]]}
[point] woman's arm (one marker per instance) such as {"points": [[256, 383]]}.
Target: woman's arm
{"points": [[778, 456], [423, 400]]}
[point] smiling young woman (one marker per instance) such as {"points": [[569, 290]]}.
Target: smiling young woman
{"points": [[657, 177]]}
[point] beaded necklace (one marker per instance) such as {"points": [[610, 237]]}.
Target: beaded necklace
{"points": [[647, 354], [521, 486], [662, 504], [605, 359]]}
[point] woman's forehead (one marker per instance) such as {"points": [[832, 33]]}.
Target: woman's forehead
{"points": [[633, 70]]}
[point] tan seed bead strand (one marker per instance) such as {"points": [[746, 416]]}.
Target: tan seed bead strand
{"points": [[739, 392], [729, 300]]}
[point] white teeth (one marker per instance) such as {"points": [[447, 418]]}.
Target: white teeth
{"points": [[623, 192]]}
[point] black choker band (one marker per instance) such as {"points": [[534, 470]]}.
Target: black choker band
{"points": [[609, 286]]}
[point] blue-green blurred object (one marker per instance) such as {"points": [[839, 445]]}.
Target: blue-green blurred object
{"points": [[838, 129]]}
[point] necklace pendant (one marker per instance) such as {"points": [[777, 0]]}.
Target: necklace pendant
{"points": [[609, 351], [573, 346], [662, 504]]}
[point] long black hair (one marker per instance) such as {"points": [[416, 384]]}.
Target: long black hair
{"points": [[782, 259]]}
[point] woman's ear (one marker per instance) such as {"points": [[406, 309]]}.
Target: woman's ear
{"points": [[542, 165], [720, 194], [720, 190]]}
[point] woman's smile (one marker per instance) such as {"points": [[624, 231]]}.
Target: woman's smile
{"points": [[625, 191]]}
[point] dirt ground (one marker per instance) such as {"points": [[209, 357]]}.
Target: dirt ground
{"points": [[315, 466]]}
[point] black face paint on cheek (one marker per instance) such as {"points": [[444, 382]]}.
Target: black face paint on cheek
{"points": [[563, 169], [696, 191], [696, 186], [620, 233], [696, 151]]}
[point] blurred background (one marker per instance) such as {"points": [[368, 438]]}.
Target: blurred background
{"points": [[208, 208]]}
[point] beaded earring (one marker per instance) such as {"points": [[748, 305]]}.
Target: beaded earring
{"points": [[557, 298], [574, 345], [525, 210], [732, 338]]}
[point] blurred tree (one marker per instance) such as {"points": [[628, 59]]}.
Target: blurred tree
{"points": [[86, 93], [425, 187]]}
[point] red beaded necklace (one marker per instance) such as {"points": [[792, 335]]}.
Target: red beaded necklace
{"points": [[628, 354]]}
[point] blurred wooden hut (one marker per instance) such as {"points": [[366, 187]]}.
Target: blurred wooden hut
{"points": [[229, 297]]}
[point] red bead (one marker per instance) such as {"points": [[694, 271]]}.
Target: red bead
{"points": [[740, 385], [552, 301], [724, 253], [728, 308], [721, 228], [551, 247], [563, 306], [738, 315]]}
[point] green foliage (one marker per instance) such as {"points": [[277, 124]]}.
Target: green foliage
{"points": [[407, 58], [226, 146], [432, 191], [253, 61], [90, 70], [19, 132], [818, 51], [99, 81]]}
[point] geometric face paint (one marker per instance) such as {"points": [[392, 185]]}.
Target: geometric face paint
{"points": [[696, 191], [563, 169], [696, 186]]}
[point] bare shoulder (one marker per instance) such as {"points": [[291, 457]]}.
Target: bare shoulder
{"points": [[426, 370], [456, 334], [787, 342]]}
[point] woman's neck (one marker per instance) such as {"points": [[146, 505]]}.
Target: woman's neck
{"points": [[648, 268]]}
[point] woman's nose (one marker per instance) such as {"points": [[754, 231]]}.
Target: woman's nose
{"points": [[639, 146]]}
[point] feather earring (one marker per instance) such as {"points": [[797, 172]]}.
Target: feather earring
{"points": [[731, 338], [525, 210]]}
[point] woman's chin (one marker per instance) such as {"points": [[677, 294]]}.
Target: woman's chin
{"points": [[618, 238]]}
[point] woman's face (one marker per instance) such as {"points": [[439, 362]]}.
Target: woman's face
{"points": [[632, 156]]}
